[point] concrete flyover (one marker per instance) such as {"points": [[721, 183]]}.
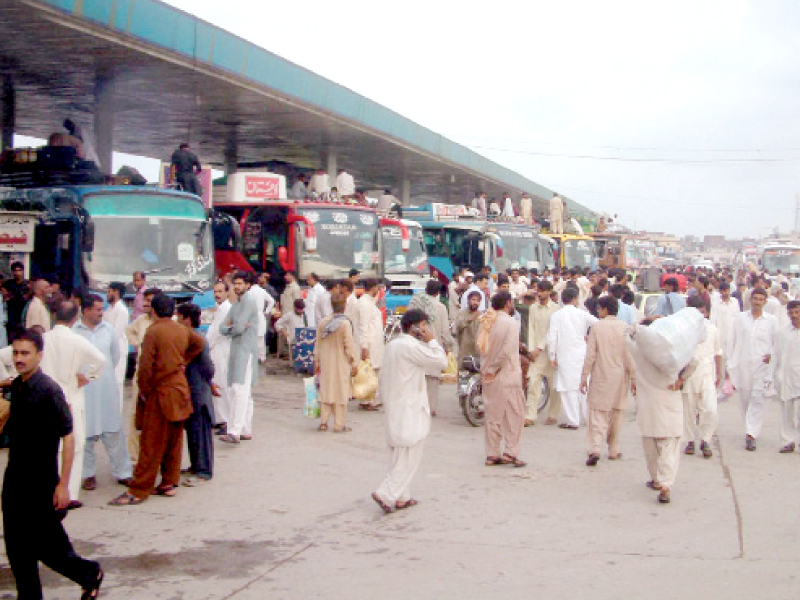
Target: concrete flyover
{"points": [[143, 76]]}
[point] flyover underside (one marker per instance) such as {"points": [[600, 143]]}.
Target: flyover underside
{"points": [[160, 99]]}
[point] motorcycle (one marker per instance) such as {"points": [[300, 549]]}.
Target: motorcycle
{"points": [[470, 390]]}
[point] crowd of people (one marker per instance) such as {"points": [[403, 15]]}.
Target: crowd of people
{"points": [[65, 370]]}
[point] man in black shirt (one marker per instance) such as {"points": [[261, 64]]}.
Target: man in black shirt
{"points": [[35, 498], [187, 166], [17, 297]]}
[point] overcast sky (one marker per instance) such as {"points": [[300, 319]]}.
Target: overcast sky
{"points": [[680, 117]]}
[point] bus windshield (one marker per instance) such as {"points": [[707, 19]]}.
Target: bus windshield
{"points": [[519, 249], [579, 253], [395, 261], [639, 254], [785, 259], [462, 245], [167, 237], [346, 239]]}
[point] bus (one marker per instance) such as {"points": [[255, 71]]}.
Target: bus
{"points": [[257, 228], [406, 268], [780, 257], [519, 245], [87, 235], [624, 251]]}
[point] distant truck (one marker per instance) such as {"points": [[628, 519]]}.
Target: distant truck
{"points": [[624, 251]]}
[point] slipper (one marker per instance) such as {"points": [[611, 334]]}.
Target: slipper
{"points": [[344, 429], [322, 427], [653, 485], [246, 438], [491, 461], [405, 505], [125, 499], [368, 407], [386, 508], [168, 491], [229, 439], [507, 459], [94, 591], [566, 426]]}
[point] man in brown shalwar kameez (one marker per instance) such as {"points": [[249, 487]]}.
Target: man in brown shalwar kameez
{"points": [[164, 403], [335, 362], [502, 383], [608, 361]]}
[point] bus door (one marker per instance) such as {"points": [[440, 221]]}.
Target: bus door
{"points": [[265, 230], [56, 253]]}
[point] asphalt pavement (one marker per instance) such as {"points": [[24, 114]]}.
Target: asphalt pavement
{"points": [[288, 515]]}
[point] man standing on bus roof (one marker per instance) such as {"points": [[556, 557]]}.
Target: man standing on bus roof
{"points": [[319, 183], [345, 184], [298, 190], [187, 167], [526, 208], [556, 214]]}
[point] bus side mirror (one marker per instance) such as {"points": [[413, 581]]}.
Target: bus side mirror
{"points": [[283, 258], [87, 237]]}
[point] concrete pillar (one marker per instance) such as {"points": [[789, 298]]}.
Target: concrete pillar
{"points": [[9, 112], [332, 166], [231, 153], [104, 119], [405, 192]]}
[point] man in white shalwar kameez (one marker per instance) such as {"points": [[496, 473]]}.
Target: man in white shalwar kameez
{"points": [[370, 334], [723, 312], [265, 303], [566, 344], [750, 365], [787, 378], [219, 346], [408, 359], [103, 408], [700, 390], [72, 361], [116, 313]]}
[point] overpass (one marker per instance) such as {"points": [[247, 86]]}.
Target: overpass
{"points": [[143, 76]]}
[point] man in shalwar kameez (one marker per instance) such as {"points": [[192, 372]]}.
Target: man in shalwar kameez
{"points": [[335, 363], [370, 334], [163, 405], [116, 313], [220, 348], [607, 374], [659, 415], [501, 371], [566, 344], [408, 358], [750, 365], [787, 378], [103, 408], [242, 327], [700, 391], [72, 362]]}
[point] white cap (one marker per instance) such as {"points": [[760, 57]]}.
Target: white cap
{"points": [[469, 274]]}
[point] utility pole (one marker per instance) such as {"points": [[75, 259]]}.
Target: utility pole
{"points": [[796, 213]]}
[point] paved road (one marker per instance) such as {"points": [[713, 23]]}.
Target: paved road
{"points": [[288, 516]]}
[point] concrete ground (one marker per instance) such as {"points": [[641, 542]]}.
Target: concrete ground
{"points": [[289, 515]]}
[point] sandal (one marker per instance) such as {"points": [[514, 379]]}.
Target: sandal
{"points": [[125, 499], [168, 491], [229, 439], [369, 407], [404, 505], [322, 427], [246, 438], [386, 508], [94, 591], [513, 461], [493, 460], [344, 429], [653, 485]]}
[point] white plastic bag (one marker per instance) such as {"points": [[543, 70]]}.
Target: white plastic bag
{"points": [[669, 343]]}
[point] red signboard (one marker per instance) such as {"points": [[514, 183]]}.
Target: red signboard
{"points": [[258, 187]]}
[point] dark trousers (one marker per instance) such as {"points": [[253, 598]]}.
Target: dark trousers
{"points": [[200, 440], [34, 533], [160, 448], [190, 183]]}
